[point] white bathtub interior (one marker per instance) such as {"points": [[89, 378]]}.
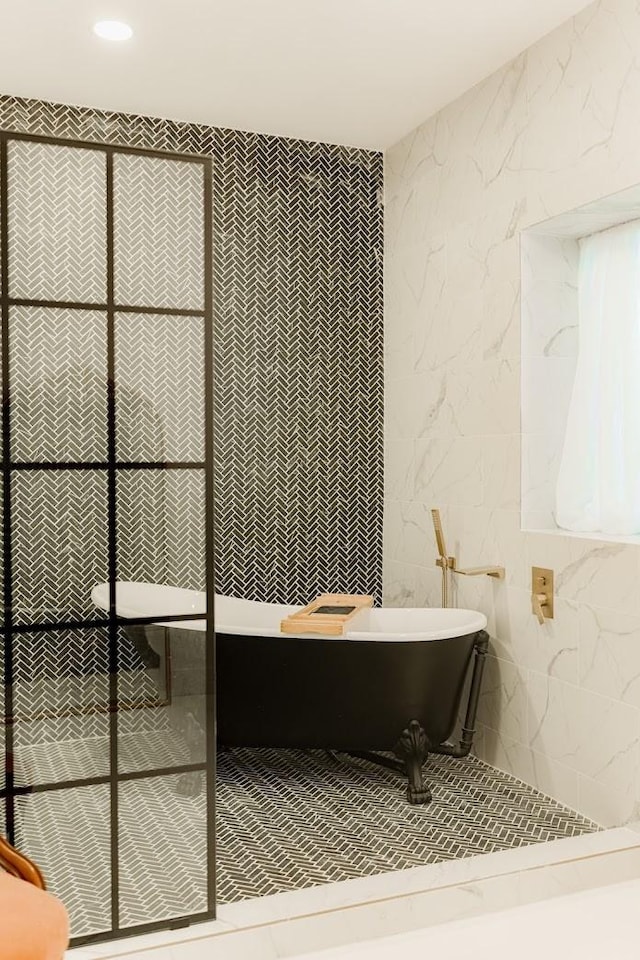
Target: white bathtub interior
{"points": [[238, 616]]}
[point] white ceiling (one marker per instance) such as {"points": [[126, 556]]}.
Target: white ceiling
{"points": [[359, 72]]}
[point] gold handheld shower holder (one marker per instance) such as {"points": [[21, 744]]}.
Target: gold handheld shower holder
{"points": [[446, 562]]}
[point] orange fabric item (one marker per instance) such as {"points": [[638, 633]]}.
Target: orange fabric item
{"points": [[33, 924]]}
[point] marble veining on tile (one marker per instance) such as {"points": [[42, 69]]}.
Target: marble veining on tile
{"points": [[550, 132]]}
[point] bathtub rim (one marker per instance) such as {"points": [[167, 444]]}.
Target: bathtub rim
{"points": [[464, 621]]}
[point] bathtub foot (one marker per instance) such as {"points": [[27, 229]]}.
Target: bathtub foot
{"points": [[413, 749]]}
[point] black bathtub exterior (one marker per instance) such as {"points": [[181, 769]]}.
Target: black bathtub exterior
{"points": [[337, 694], [356, 696]]}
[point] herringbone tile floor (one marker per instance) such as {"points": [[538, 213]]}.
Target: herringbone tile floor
{"points": [[286, 819], [290, 818]]}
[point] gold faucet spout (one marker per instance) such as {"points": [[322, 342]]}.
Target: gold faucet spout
{"points": [[497, 572], [447, 563]]}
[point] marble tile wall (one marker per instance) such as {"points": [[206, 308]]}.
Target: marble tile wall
{"points": [[552, 130]]}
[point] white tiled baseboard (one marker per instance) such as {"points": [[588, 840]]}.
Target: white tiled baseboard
{"points": [[318, 918]]}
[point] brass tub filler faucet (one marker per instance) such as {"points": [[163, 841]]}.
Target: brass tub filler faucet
{"points": [[447, 563]]}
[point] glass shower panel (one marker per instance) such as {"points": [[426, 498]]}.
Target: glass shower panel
{"points": [[60, 705], [106, 313], [159, 373], [59, 544], [159, 232], [67, 833], [160, 521], [3, 718], [163, 850], [58, 362], [57, 222], [161, 516], [146, 738], [2, 577], [167, 727]]}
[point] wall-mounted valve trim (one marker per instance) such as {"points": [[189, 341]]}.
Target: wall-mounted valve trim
{"points": [[542, 593]]}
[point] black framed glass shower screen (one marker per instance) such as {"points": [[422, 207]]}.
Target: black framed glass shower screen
{"points": [[109, 757]]}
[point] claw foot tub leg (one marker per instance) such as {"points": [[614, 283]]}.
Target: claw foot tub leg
{"points": [[413, 749]]}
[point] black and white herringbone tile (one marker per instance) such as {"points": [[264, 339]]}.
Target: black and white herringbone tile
{"points": [[286, 819], [297, 265], [159, 362], [61, 695], [40, 760], [289, 819], [160, 522], [159, 232], [57, 223], [298, 416], [58, 362], [59, 543]]}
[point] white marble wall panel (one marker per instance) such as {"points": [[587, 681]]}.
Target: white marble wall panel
{"points": [[449, 469], [549, 296], [547, 383], [541, 453], [554, 129], [609, 653]]}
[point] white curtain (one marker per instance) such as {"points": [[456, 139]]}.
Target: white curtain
{"points": [[599, 481]]}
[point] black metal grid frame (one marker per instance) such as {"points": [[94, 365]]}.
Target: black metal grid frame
{"points": [[111, 467]]}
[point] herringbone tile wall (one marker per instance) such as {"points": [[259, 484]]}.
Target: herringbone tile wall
{"points": [[58, 361], [59, 538], [298, 369], [160, 517], [159, 363], [54, 257], [159, 237], [297, 250]]}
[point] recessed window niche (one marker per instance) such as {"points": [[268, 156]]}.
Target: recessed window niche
{"points": [[550, 258]]}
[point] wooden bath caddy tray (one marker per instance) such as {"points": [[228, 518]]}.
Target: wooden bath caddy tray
{"points": [[327, 614]]}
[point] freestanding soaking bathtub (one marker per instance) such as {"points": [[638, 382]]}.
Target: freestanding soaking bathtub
{"points": [[392, 683]]}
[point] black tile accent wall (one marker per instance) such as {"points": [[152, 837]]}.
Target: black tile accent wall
{"points": [[297, 235]]}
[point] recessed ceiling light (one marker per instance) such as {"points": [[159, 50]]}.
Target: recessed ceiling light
{"points": [[113, 30]]}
